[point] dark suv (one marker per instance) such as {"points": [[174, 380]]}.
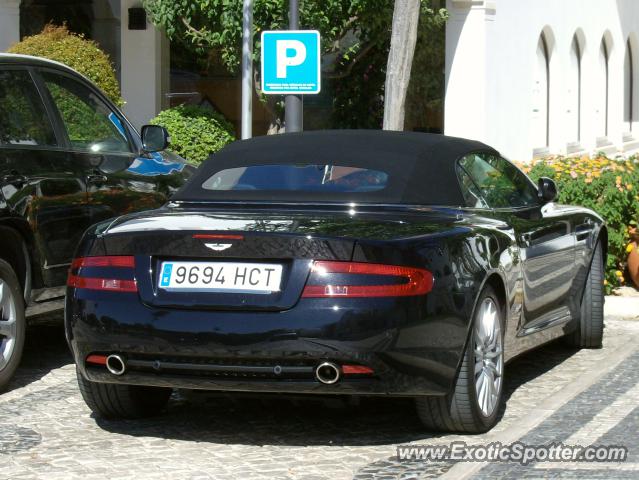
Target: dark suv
{"points": [[68, 159]]}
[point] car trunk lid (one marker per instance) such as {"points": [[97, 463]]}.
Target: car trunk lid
{"points": [[234, 239], [292, 239]]}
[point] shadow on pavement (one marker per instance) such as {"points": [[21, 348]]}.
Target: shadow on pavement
{"points": [[302, 421], [532, 364], [271, 419], [277, 420], [45, 349], [521, 370]]}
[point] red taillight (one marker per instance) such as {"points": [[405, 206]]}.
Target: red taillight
{"points": [[218, 236], [112, 261], [106, 284], [77, 280], [417, 281], [356, 370], [97, 359]]}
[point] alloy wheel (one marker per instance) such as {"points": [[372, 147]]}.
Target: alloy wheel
{"points": [[489, 358], [8, 324]]}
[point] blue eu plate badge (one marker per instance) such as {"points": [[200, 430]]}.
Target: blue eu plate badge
{"points": [[166, 275]]}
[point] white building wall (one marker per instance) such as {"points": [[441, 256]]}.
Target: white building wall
{"points": [[144, 74], [9, 23], [106, 29], [467, 35], [491, 61]]}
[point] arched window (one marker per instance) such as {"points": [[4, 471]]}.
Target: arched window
{"points": [[603, 100], [541, 96], [630, 112], [574, 92]]}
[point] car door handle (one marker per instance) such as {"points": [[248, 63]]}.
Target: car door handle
{"points": [[15, 179], [96, 178], [583, 232]]}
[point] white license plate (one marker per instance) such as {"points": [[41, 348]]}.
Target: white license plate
{"points": [[229, 277]]}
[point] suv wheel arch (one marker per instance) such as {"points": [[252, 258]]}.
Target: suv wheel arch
{"points": [[14, 250]]}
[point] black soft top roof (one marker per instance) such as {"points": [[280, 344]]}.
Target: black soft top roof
{"points": [[426, 163]]}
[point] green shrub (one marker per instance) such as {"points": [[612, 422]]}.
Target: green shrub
{"points": [[195, 131], [609, 187], [59, 44]]}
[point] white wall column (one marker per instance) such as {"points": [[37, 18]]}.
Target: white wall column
{"points": [[591, 92], [106, 29], [466, 67], [145, 68], [9, 23], [616, 126]]}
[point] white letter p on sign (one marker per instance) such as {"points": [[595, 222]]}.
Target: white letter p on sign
{"points": [[283, 61]]}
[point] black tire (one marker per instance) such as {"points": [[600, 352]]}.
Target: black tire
{"points": [[460, 411], [115, 401], [589, 331], [15, 303]]}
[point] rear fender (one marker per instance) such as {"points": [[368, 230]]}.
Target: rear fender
{"points": [[462, 260]]}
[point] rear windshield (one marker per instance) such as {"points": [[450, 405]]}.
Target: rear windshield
{"points": [[298, 178], [345, 181]]}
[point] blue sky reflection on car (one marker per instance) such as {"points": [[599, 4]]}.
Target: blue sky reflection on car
{"points": [[157, 165], [118, 124]]}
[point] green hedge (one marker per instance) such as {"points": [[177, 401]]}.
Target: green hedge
{"points": [[609, 187], [195, 131], [59, 44]]}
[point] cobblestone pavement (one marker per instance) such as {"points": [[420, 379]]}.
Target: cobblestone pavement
{"points": [[48, 432]]}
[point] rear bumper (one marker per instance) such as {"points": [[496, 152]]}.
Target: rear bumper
{"points": [[377, 385], [411, 350]]}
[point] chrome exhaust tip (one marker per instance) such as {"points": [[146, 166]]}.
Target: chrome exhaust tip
{"points": [[327, 373], [115, 364]]}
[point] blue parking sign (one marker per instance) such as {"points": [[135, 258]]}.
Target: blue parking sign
{"points": [[291, 62]]}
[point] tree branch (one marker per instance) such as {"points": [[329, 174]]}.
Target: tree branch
{"points": [[197, 34], [257, 83], [345, 29], [275, 121], [361, 54]]}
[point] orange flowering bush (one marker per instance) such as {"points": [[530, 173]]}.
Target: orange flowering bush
{"points": [[608, 186]]}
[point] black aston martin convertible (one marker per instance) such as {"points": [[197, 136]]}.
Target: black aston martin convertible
{"points": [[338, 263]]}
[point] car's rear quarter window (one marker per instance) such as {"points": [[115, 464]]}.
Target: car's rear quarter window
{"points": [[23, 118]]}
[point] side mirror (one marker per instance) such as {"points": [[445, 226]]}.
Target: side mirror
{"points": [[154, 138], [547, 190]]}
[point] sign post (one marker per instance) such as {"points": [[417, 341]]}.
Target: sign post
{"points": [[291, 67], [247, 69], [293, 104]]}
